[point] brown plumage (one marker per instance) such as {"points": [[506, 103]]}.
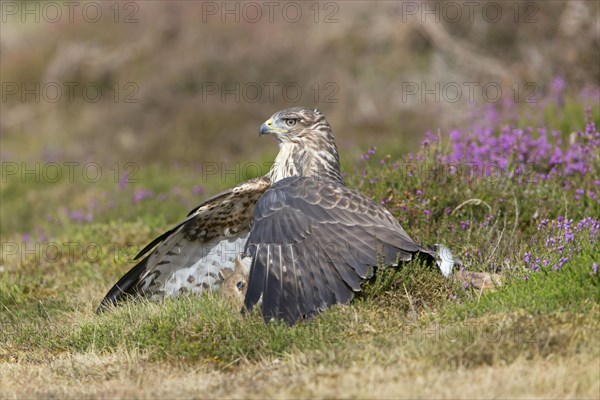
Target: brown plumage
{"points": [[309, 240], [314, 240], [190, 256]]}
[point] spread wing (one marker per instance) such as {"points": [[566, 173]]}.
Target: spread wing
{"points": [[190, 255], [313, 243]]}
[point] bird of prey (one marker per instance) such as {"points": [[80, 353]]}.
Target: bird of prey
{"points": [[300, 238]]}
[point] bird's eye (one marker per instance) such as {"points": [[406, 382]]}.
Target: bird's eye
{"points": [[290, 121], [240, 285]]}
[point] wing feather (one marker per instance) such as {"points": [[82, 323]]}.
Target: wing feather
{"points": [[257, 274], [305, 295], [291, 289], [335, 235], [272, 294], [342, 292], [211, 232]]}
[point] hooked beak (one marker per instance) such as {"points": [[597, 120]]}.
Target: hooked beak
{"points": [[265, 128], [268, 127]]}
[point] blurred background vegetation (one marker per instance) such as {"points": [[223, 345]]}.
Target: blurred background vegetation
{"points": [[167, 73]]}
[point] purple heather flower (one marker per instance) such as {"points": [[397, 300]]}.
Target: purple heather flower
{"points": [[177, 192], [558, 84], [488, 218], [526, 147], [569, 236], [429, 138], [141, 194], [594, 268], [427, 212], [78, 215], [546, 262], [198, 189], [123, 181]]}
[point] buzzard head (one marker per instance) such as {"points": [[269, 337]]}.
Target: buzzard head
{"points": [[297, 125], [306, 144]]}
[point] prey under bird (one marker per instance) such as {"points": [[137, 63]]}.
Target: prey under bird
{"points": [[306, 240]]}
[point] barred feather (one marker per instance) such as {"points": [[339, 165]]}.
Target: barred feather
{"points": [[312, 240]]}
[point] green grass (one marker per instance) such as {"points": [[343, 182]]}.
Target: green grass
{"points": [[411, 316], [211, 329], [574, 289]]}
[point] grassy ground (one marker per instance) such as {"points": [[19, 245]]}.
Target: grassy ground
{"points": [[410, 334]]}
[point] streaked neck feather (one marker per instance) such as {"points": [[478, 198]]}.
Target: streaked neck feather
{"points": [[292, 160]]}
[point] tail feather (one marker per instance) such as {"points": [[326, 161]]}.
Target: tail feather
{"points": [[443, 258]]}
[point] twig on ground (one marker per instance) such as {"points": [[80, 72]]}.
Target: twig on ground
{"points": [[475, 202]]}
